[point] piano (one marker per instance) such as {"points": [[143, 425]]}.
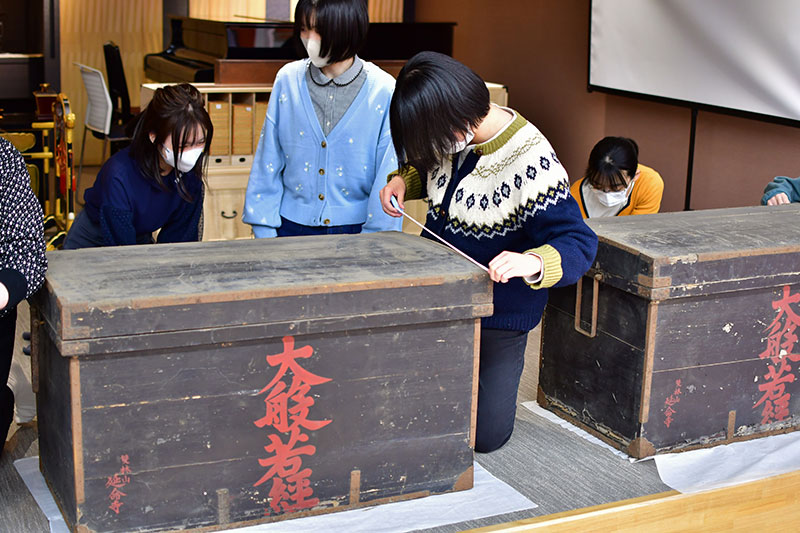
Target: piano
{"points": [[202, 50]]}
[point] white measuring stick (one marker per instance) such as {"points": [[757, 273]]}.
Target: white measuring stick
{"points": [[394, 203]]}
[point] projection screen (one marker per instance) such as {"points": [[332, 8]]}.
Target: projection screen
{"points": [[743, 55]]}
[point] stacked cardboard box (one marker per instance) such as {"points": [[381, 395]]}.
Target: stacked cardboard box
{"points": [[218, 112], [242, 129]]}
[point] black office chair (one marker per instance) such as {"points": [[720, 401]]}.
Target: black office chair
{"points": [[117, 86]]}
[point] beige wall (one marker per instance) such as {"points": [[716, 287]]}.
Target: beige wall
{"points": [[538, 48], [85, 26]]}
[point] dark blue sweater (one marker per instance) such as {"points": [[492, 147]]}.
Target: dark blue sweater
{"points": [[129, 207], [510, 193]]}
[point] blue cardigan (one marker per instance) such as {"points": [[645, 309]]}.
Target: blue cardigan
{"points": [[314, 180], [128, 206]]}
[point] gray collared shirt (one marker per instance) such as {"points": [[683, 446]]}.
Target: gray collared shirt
{"points": [[332, 97]]}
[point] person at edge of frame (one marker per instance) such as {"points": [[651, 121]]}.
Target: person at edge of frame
{"points": [[498, 193], [615, 183], [325, 146], [22, 261], [781, 190], [156, 183]]}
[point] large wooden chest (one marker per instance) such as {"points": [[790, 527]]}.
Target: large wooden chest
{"points": [[687, 331], [205, 384]]}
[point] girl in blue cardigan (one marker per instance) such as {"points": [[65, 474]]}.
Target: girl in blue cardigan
{"points": [[497, 192], [325, 147]]}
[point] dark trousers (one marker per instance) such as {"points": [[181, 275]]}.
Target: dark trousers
{"points": [[293, 229], [502, 359], [8, 326]]}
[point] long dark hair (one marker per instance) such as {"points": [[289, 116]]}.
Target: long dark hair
{"points": [[176, 111], [435, 99], [342, 25], [609, 158]]}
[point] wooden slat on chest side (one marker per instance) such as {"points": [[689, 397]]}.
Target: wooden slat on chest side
{"points": [[54, 410], [299, 397], [693, 310]]}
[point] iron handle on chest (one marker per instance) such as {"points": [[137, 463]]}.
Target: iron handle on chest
{"points": [[592, 331]]}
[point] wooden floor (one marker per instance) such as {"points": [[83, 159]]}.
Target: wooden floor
{"points": [[771, 504]]}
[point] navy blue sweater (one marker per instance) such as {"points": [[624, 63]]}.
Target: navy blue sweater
{"points": [[510, 193], [128, 206]]}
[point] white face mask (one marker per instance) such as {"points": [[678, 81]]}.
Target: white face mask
{"points": [[614, 198], [188, 158], [313, 47], [460, 145]]}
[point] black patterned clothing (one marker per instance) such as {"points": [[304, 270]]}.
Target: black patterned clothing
{"points": [[22, 258], [509, 193]]}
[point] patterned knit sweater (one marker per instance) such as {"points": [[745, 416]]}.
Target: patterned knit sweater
{"points": [[510, 193], [22, 259]]}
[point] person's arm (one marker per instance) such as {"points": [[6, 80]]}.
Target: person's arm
{"points": [[647, 199], [22, 258], [184, 224], [116, 211], [386, 162], [563, 248], [405, 184], [782, 185], [262, 201]]}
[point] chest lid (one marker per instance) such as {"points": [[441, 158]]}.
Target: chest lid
{"points": [[127, 298], [673, 255]]}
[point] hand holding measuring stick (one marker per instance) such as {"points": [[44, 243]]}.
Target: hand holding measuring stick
{"points": [[394, 203]]}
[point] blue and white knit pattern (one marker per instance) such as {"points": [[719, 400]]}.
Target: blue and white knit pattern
{"points": [[483, 205]]}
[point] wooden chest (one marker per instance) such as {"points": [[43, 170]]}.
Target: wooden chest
{"points": [[687, 331], [205, 384]]}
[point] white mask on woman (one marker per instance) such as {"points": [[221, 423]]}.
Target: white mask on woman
{"points": [[313, 47], [459, 146], [613, 198], [187, 161]]}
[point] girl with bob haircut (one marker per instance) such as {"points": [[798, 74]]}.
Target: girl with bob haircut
{"points": [[497, 192], [325, 147], [615, 184], [154, 184]]}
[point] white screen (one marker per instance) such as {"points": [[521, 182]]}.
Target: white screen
{"points": [[738, 54]]}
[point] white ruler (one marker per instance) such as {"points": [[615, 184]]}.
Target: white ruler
{"points": [[456, 250]]}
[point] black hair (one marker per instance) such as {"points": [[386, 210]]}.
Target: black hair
{"points": [[176, 111], [609, 159], [342, 25], [436, 99]]}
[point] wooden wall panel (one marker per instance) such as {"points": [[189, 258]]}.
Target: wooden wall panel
{"points": [[537, 48], [385, 10], [85, 26], [227, 9], [736, 157], [379, 10]]}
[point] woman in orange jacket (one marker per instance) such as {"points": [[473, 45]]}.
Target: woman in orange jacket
{"points": [[615, 183]]}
